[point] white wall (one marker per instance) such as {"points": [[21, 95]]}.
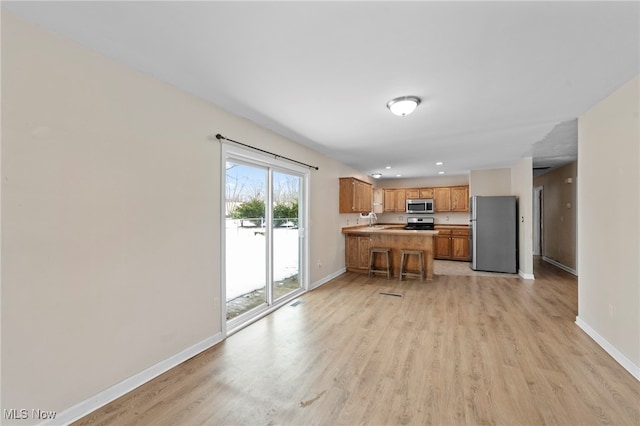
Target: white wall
{"points": [[490, 182], [522, 187], [609, 236], [111, 218]]}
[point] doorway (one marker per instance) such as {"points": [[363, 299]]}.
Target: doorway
{"points": [[538, 220], [264, 250]]}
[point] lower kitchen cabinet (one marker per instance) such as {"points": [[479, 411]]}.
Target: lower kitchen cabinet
{"points": [[357, 252], [451, 243], [442, 244]]}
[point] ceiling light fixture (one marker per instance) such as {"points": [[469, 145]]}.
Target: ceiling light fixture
{"points": [[376, 175], [439, 163], [403, 105], [440, 173], [387, 167]]}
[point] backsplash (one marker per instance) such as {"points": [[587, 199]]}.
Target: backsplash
{"points": [[450, 218]]}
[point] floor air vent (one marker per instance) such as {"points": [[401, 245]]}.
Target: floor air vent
{"points": [[390, 294]]}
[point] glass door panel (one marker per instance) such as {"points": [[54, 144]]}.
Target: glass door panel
{"points": [[246, 236], [286, 235]]}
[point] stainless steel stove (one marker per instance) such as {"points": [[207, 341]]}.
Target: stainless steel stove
{"points": [[420, 223]]}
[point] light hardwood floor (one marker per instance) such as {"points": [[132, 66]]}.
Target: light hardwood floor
{"points": [[457, 350]]}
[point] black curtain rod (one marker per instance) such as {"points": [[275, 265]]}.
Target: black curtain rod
{"points": [[220, 137]]}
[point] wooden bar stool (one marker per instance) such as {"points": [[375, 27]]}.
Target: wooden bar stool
{"points": [[381, 250], [420, 272]]}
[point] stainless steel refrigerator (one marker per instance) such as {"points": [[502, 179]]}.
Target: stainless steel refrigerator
{"points": [[494, 234]]}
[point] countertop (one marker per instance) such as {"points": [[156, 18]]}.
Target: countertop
{"points": [[385, 230]]}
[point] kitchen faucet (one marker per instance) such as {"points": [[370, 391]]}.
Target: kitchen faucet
{"points": [[370, 216]]}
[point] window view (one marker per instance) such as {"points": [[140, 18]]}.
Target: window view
{"points": [[262, 236]]}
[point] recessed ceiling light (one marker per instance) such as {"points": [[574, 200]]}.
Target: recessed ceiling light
{"points": [[439, 163], [398, 175], [376, 175], [404, 105], [440, 173], [387, 167]]}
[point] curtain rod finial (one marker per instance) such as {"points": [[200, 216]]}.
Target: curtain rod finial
{"points": [[219, 136]]}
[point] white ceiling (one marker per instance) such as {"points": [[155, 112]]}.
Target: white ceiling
{"points": [[495, 77]]}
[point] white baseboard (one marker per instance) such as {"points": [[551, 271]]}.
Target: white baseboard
{"points": [[328, 278], [560, 265], [610, 349], [127, 385], [525, 276]]}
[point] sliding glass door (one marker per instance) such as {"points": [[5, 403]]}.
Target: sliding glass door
{"points": [[263, 233]]}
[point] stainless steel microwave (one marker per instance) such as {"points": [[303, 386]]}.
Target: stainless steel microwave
{"points": [[423, 205]]}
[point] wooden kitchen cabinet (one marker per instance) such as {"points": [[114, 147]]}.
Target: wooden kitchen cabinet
{"points": [[426, 192], [451, 199], [419, 193], [412, 193], [355, 196], [446, 198], [442, 244], [442, 199], [451, 243], [378, 200], [401, 200], [460, 245], [357, 252], [395, 200], [459, 199]]}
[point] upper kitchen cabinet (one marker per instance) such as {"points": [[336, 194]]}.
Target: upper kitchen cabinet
{"points": [[419, 193], [451, 199], [355, 195], [442, 199], [395, 200], [459, 199], [412, 193], [378, 200]]}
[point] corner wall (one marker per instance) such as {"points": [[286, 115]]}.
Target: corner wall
{"points": [[522, 187], [608, 225]]}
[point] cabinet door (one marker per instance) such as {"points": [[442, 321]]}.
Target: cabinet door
{"points": [[460, 247], [367, 197], [442, 247], [459, 199], [412, 193], [401, 200], [389, 200], [364, 243], [358, 196], [426, 192], [442, 199], [352, 252], [378, 200], [347, 192]]}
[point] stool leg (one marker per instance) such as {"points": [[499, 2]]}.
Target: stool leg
{"points": [[421, 260], [401, 267], [388, 266], [371, 253]]}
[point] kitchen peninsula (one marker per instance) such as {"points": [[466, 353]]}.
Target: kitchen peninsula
{"points": [[358, 240]]}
